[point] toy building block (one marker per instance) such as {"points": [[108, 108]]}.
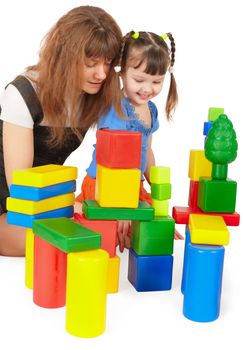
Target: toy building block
{"points": [[154, 237], [50, 267], [217, 196], [107, 229], [113, 274], [185, 257], [31, 208], [86, 295], [150, 273], [44, 175], [208, 229], [198, 165], [67, 235], [92, 210], [181, 216], [193, 194], [29, 258], [120, 149], [117, 187], [203, 282], [159, 175], [214, 113], [37, 193], [26, 220], [206, 127], [161, 191], [161, 208]]}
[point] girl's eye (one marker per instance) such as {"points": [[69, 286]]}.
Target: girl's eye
{"points": [[138, 81], [157, 82]]}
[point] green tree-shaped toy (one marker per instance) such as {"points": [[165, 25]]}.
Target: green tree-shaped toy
{"points": [[221, 146]]}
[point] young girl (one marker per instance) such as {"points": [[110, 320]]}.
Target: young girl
{"points": [[144, 60], [46, 111]]}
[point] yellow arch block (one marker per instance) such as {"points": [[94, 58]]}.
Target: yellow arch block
{"points": [[86, 293], [31, 207], [113, 274], [199, 165], [44, 175], [117, 188], [208, 229]]}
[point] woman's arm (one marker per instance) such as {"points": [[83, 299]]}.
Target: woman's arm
{"points": [[150, 159], [18, 148]]}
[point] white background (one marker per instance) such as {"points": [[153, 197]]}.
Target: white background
{"points": [[209, 73]]}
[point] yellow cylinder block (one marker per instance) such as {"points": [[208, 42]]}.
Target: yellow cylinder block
{"points": [[86, 293], [29, 258]]}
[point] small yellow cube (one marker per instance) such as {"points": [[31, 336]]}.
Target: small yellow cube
{"points": [[199, 165], [161, 208]]}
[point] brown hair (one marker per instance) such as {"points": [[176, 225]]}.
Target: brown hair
{"points": [[151, 49], [85, 31]]}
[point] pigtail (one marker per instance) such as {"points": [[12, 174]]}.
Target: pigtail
{"points": [[172, 98]]}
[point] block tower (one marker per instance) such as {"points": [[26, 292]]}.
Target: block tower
{"points": [[37, 193], [150, 257], [212, 198]]}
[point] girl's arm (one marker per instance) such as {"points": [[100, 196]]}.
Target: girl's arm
{"points": [[18, 148], [150, 159]]}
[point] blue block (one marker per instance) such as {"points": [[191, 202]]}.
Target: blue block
{"points": [[206, 127], [150, 273], [25, 220], [37, 194], [203, 282]]}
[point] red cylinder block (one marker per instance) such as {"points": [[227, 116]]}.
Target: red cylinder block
{"points": [[50, 266]]}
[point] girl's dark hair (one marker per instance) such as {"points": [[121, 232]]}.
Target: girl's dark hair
{"points": [[151, 49]]}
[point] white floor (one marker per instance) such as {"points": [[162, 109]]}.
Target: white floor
{"points": [[144, 320]]}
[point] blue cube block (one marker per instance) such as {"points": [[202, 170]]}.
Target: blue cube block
{"points": [[206, 127], [202, 282], [25, 220], [150, 273], [37, 194]]}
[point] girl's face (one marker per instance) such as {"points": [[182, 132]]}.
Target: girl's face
{"points": [[94, 73], [141, 87]]}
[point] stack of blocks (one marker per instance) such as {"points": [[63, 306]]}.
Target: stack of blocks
{"points": [[61, 248], [150, 256], [211, 208]]}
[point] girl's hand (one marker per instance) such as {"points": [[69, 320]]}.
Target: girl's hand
{"points": [[177, 235], [124, 234]]}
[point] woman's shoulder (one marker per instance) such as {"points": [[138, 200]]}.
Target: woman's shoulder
{"points": [[14, 109]]}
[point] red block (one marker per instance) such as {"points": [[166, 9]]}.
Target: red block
{"points": [[50, 266], [119, 149], [107, 229], [193, 194], [181, 216]]}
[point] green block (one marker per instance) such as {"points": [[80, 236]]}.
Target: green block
{"points": [[92, 210], [67, 235], [217, 196], [154, 237], [159, 174], [214, 113], [161, 191]]}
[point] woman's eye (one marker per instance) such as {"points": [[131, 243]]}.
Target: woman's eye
{"points": [[138, 81]]}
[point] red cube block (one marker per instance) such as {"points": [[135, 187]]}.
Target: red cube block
{"points": [[107, 229], [118, 149]]}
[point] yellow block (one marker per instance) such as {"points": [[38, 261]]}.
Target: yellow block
{"points": [[29, 258], [159, 174], [44, 175], [199, 165], [208, 229], [117, 188], [113, 274], [86, 293], [32, 207], [161, 208]]}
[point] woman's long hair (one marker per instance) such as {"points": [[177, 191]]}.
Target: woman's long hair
{"points": [[85, 31]]}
